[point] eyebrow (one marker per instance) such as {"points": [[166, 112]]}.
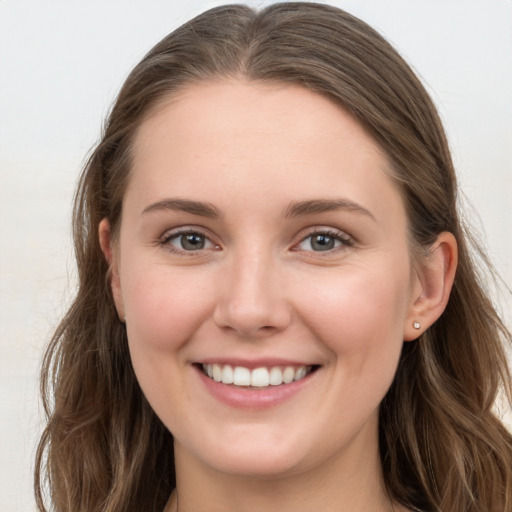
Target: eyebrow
{"points": [[299, 208], [294, 209], [185, 205]]}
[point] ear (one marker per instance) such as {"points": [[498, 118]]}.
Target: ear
{"points": [[431, 291], [112, 258]]}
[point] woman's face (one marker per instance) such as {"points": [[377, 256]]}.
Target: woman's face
{"points": [[263, 241]]}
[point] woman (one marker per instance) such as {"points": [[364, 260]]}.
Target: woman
{"points": [[277, 308]]}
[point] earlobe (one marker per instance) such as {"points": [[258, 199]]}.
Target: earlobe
{"points": [[109, 253], [435, 274]]}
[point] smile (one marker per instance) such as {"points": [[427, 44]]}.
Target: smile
{"points": [[257, 377]]}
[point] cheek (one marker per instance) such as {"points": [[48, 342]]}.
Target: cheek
{"points": [[164, 307], [359, 315], [358, 290], [164, 310], [359, 319]]}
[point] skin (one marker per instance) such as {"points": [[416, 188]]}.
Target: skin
{"points": [[260, 289]]}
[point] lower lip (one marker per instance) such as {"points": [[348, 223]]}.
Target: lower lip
{"points": [[254, 398]]}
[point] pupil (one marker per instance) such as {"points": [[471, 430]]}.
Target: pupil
{"points": [[192, 242], [322, 243]]}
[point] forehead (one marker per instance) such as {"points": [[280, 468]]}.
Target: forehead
{"points": [[253, 108], [219, 139]]}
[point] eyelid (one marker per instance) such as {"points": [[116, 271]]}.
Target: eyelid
{"points": [[171, 234], [342, 236], [345, 239]]}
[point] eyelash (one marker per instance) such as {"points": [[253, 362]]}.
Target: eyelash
{"points": [[343, 239], [338, 236], [175, 235]]}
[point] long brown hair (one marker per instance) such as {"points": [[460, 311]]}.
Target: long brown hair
{"points": [[442, 447]]}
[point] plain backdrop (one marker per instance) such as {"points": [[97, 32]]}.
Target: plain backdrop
{"points": [[61, 64]]}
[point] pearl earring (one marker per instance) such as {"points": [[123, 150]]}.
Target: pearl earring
{"points": [[416, 325]]}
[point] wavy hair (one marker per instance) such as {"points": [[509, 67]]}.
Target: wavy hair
{"points": [[442, 447]]}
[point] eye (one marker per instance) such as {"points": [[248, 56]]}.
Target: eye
{"points": [[188, 241], [322, 241]]}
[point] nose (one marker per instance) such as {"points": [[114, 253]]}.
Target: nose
{"points": [[252, 301]]}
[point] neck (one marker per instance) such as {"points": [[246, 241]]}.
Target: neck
{"points": [[346, 482]]}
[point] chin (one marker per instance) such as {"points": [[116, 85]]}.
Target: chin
{"points": [[259, 458], [258, 465]]}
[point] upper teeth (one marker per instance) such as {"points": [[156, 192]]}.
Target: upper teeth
{"points": [[259, 377]]}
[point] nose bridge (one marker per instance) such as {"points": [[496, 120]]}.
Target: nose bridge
{"points": [[252, 300]]}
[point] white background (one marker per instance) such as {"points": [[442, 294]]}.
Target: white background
{"points": [[61, 64]]}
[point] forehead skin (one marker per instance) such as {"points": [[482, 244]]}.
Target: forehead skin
{"points": [[248, 131]]}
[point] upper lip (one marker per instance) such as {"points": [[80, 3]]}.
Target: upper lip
{"points": [[266, 362]]}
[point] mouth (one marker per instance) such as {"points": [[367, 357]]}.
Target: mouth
{"points": [[256, 378]]}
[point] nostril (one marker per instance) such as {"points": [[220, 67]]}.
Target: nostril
{"points": [[246, 331]]}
